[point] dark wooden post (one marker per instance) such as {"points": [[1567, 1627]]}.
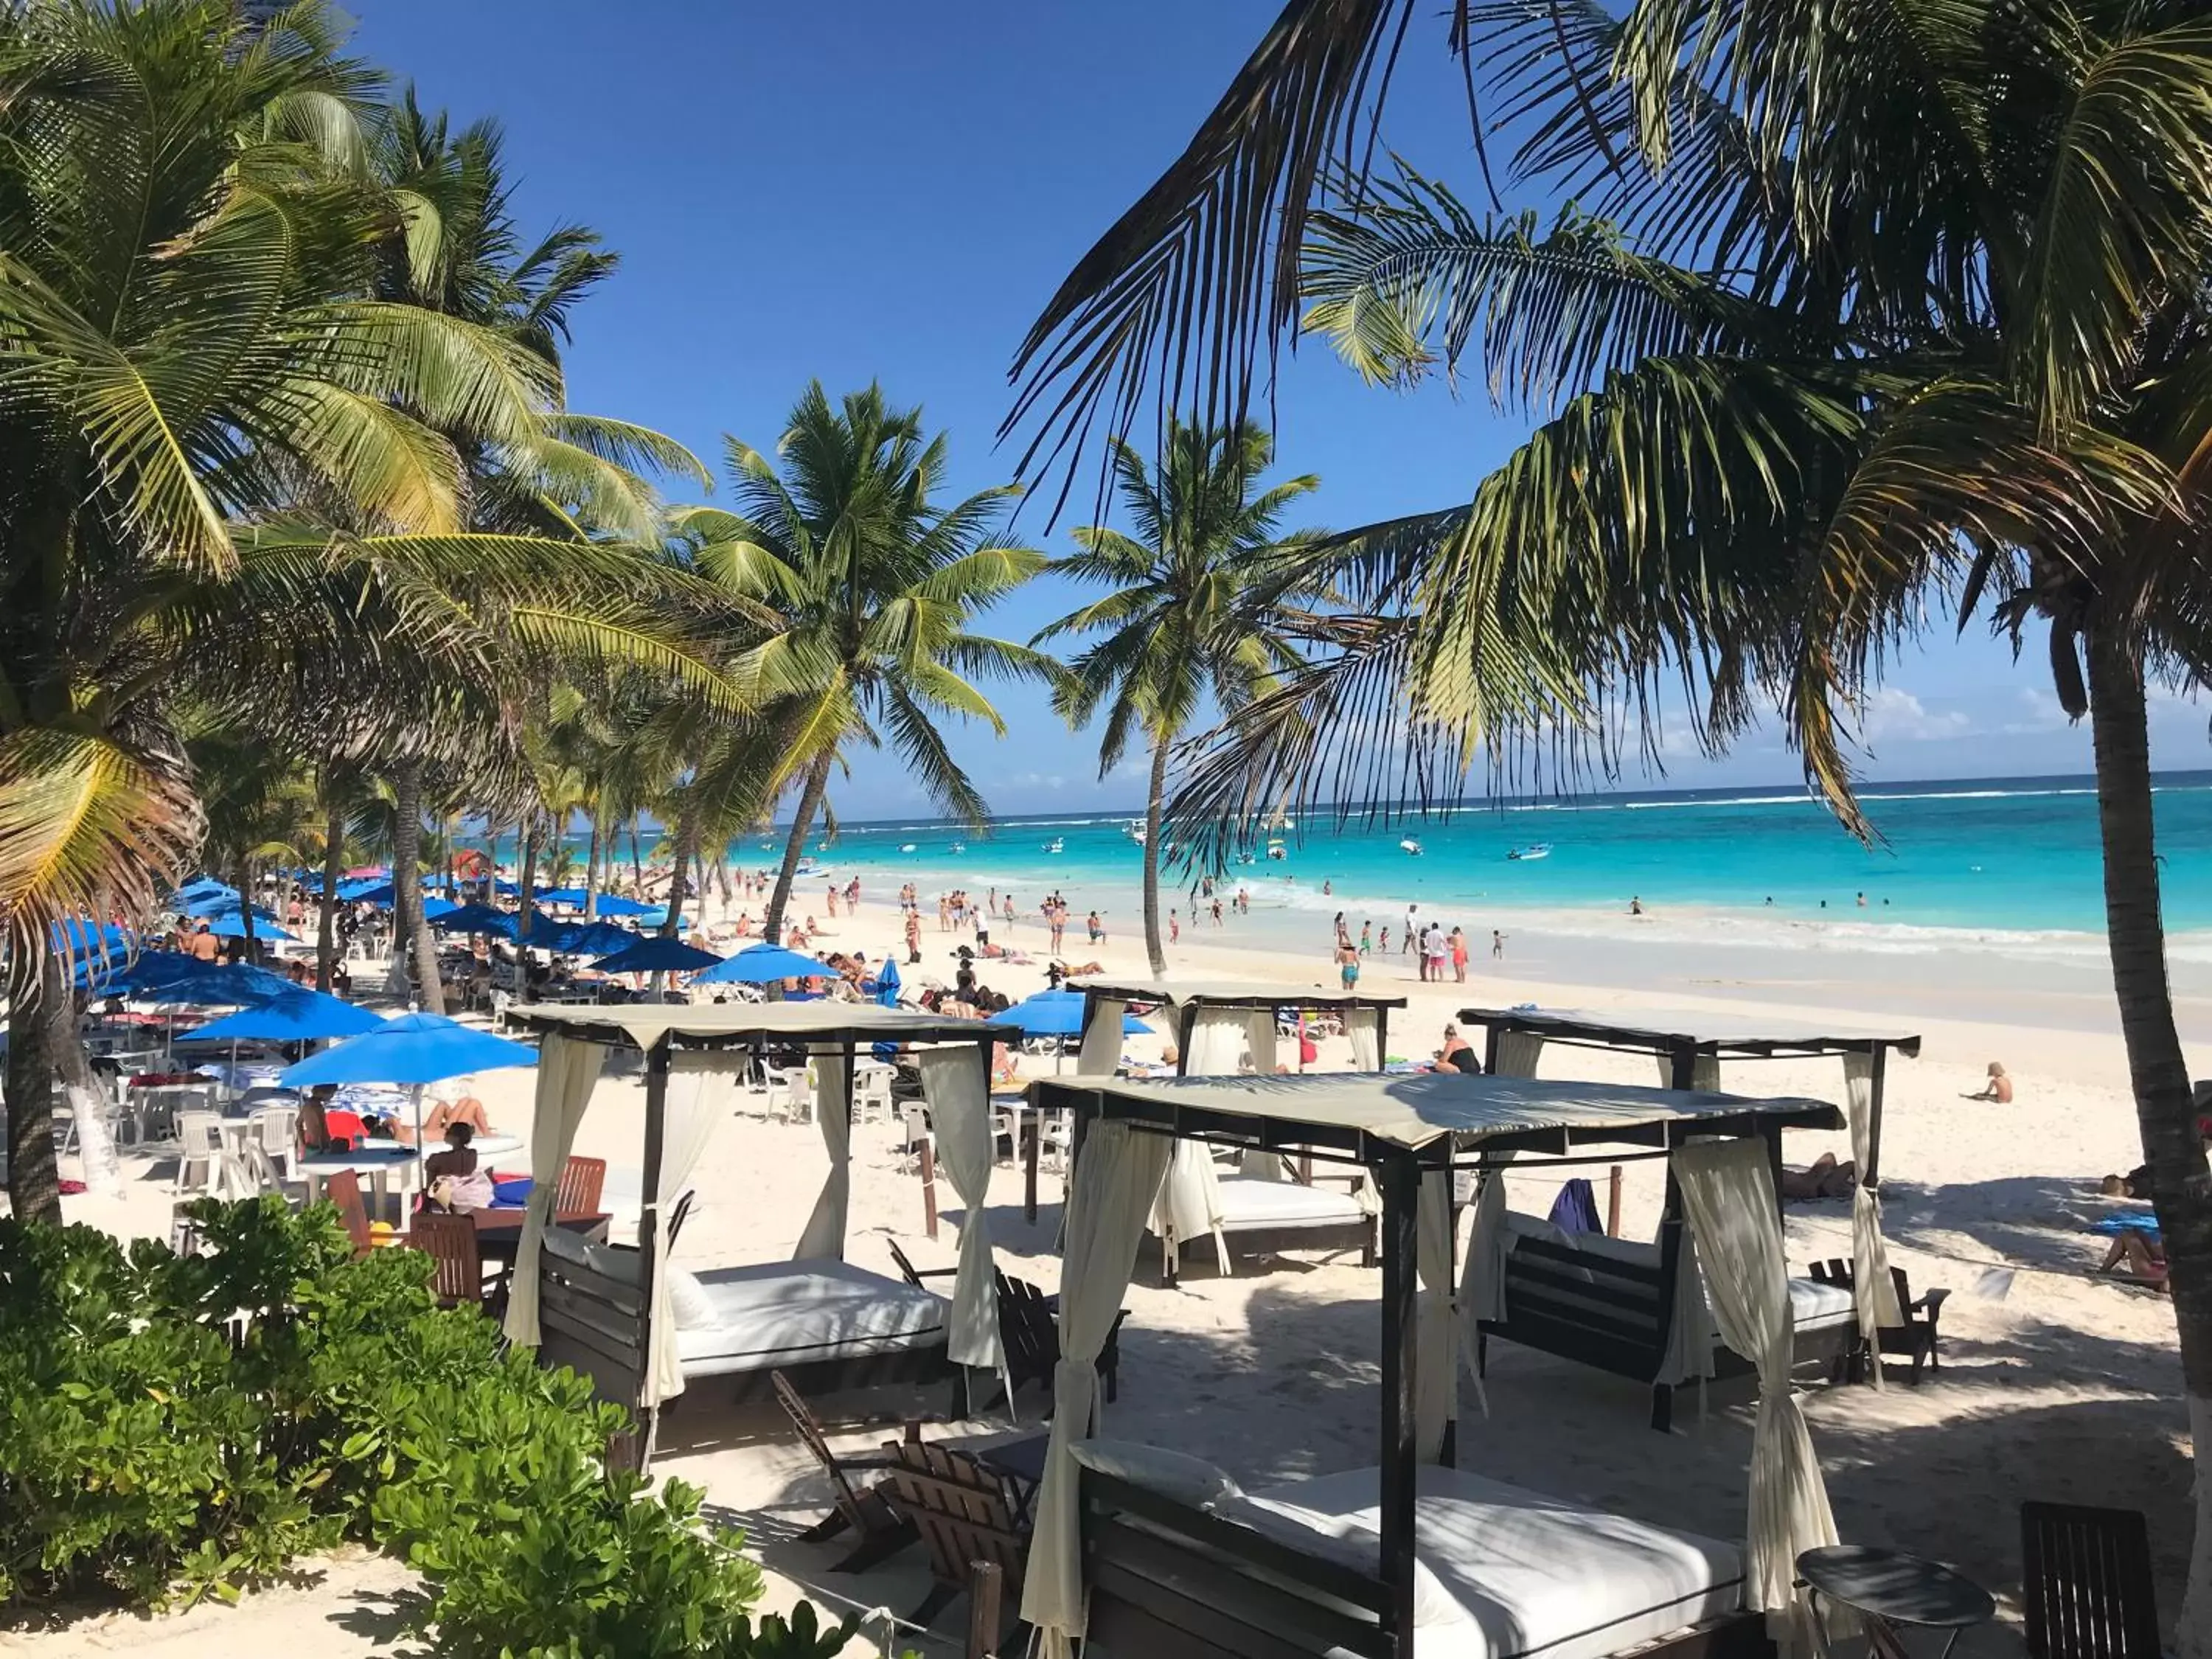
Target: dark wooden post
{"points": [[928, 1162], [1682, 1066], [1670, 1268], [986, 1585], [1490, 1038], [1613, 1202], [1399, 1176], [1382, 1037], [1186, 1022], [648, 1219]]}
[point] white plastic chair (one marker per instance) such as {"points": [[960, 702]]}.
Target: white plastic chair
{"points": [[791, 1096], [915, 1135], [199, 1140], [277, 1144], [872, 1094]]}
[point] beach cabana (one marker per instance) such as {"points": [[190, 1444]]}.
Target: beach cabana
{"points": [[1688, 1049], [1272, 1203], [641, 1328], [1412, 1559]]}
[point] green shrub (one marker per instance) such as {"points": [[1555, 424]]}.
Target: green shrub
{"points": [[173, 1427]]}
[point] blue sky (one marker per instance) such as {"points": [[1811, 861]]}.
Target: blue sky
{"points": [[891, 192]]}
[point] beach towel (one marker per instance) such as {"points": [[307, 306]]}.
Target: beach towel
{"points": [[2127, 1221], [1575, 1210]]}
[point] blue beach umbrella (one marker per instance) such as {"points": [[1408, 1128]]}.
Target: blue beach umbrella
{"points": [[296, 1015], [413, 1051], [474, 919], [596, 938], [231, 925], [762, 965], [562, 896], [79, 936], [614, 904], [657, 955], [206, 985], [1057, 1013], [434, 907]]}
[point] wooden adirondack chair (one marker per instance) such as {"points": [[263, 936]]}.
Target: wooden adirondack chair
{"points": [[967, 1516], [861, 1509], [2086, 1584]]}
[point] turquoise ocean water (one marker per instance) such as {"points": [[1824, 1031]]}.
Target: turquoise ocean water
{"points": [[2009, 864], [2004, 862]]}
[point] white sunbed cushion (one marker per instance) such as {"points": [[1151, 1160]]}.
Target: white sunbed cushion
{"points": [[1247, 1201], [1532, 1575], [780, 1313], [1347, 1540], [1814, 1305], [1172, 1474], [695, 1309]]}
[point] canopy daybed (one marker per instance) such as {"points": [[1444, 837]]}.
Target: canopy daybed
{"points": [[1412, 1559], [641, 1329], [1548, 1302], [1272, 1203]]}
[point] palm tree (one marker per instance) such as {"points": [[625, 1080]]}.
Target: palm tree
{"points": [[1864, 315], [871, 585], [225, 476], [1203, 596]]}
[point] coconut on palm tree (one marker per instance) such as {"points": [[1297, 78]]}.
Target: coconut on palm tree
{"points": [[1862, 314], [1203, 597], [871, 582]]}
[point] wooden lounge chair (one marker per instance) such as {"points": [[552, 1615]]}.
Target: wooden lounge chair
{"points": [[450, 1241], [1915, 1338], [2086, 1584], [864, 1510], [965, 1514], [1029, 1330], [581, 1179], [917, 1277], [342, 1188]]}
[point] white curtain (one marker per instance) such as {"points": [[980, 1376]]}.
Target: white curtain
{"points": [[1704, 1072], [1116, 1180], [1689, 1356], [1101, 1053], [1482, 1277], [1873, 1289], [956, 1082], [824, 1238], [701, 1091], [1518, 1052], [1189, 1204], [1436, 1365], [1218, 1038], [1728, 1192], [1259, 1038], [1364, 1027], [566, 1069]]}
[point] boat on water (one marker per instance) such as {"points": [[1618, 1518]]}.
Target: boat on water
{"points": [[959, 847], [1409, 847], [1542, 849], [1055, 845], [906, 847], [1277, 851]]}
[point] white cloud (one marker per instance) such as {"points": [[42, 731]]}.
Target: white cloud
{"points": [[1892, 714], [2037, 712]]}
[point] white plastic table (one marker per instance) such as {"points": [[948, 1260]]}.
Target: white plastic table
{"points": [[482, 1146], [377, 1165]]}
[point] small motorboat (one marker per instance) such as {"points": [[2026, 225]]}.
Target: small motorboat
{"points": [[1055, 845], [959, 846], [906, 847], [1409, 847], [1276, 850], [1542, 849]]}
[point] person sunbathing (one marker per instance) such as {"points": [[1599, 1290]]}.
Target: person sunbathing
{"points": [[2145, 1258], [1077, 970], [1997, 1089], [1826, 1179]]}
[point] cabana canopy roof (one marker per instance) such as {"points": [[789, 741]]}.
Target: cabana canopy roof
{"points": [[1664, 1030], [1230, 994], [1352, 1109], [729, 1025]]}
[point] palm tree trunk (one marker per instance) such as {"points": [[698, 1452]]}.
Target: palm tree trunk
{"points": [[636, 862], [529, 874], [101, 1170], [1153, 949], [326, 917], [591, 869], [244, 876], [34, 1191], [810, 802], [687, 855], [409, 927], [2164, 1110]]}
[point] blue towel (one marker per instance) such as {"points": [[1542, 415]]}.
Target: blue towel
{"points": [[511, 1194], [2127, 1221], [1575, 1210]]}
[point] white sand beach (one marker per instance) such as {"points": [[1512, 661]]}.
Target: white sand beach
{"points": [[2054, 1384]]}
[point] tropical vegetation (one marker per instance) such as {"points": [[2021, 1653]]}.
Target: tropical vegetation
{"points": [[1205, 604], [1857, 316]]}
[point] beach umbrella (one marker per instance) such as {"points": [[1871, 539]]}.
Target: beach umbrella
{"points": [[295, 1015], [1057, 1013], [79, 936], [888, 983], [207, 887], [762, 965], [231, 925], [562, 896], [434, 907], [657, 955], [474, 919], [202, 984], [596, 938], [614, 904], [413, 1051], [216, 909]]}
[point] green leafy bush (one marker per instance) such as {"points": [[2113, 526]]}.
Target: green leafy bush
{"points": [[175, 1427]]}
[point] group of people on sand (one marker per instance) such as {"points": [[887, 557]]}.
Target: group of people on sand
{"points": [[1436, 950]]}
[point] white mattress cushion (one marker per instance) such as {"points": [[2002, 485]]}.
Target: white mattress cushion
{"points": [[694, 1309], [783, 1313], [1172, 1474], [1247, 1201], [1534, 1575], [1813, 1304]]}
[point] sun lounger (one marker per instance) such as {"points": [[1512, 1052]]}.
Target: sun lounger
{"points": [[1260, 1217], [1502, 1572]]}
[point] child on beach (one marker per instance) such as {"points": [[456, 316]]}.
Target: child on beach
{"points": [[1367, 939]]}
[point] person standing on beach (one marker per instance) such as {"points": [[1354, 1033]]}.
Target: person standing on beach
{"points": [[913, 937], [1458, 956], [1175, 928], [1385, 942], [1008, 911], [1412, 930], [1366, 939], [1055, 916], [1347, 965], [1496, 945], [1343, 933], [1217, 910]]}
